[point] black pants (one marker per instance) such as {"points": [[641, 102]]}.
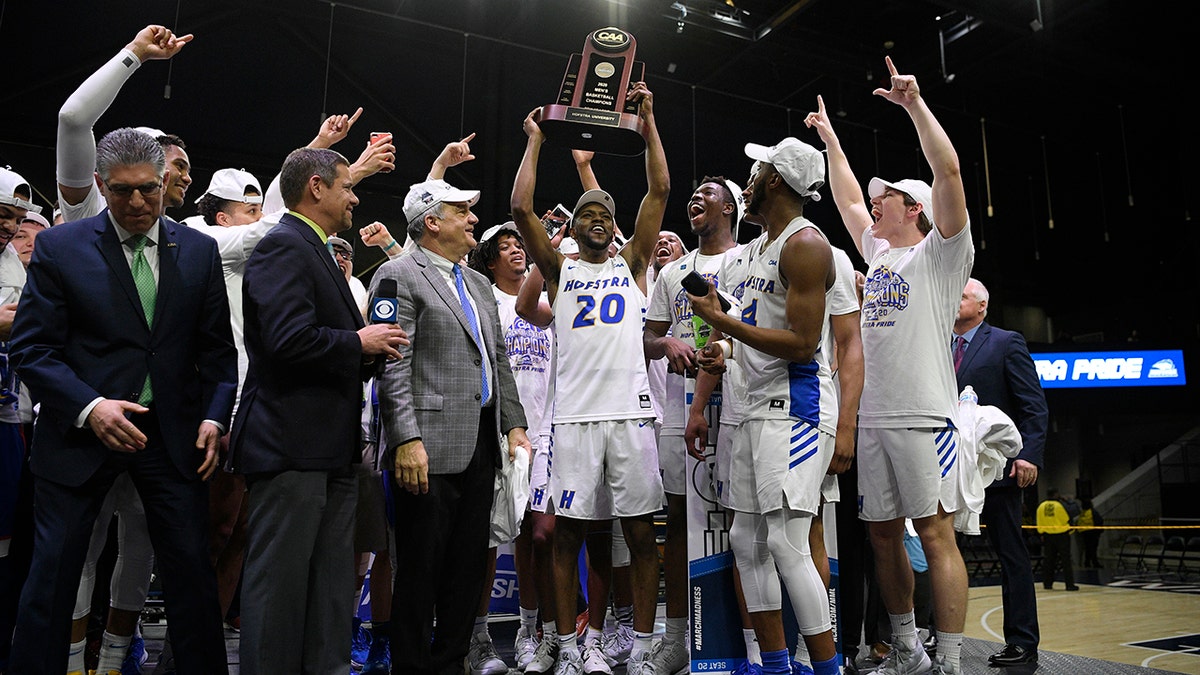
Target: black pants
{"points": [[1058, 553], [1002, 517], [441, 561]]}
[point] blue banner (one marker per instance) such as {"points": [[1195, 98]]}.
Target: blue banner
{"points": [[1143, 368]]}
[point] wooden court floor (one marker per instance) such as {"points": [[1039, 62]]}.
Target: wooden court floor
{"points": [[1103, 622]]}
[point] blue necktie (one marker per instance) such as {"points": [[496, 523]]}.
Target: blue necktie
{"points": [[471, 319]]}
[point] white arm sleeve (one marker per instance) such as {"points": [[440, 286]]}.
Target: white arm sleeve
{"points": [[76, 153], [273, 200]]}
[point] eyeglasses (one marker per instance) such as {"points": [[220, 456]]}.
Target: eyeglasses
{"points": [[344, 255], [126, 191]]}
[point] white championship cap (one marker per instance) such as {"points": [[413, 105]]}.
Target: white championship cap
{"points": [[919, 190], [801, 165], [508, 226], [422, 197], [11, 182], [232, 184]]}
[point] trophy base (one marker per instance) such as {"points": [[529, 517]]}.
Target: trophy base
{"points": [[602, 131]]}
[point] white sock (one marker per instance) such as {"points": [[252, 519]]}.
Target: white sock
{"points": [[802, 651], [676, 629], [481, 627], [548, 629], [904, 631], [567, 643], [592, 636], [529, 619], [753, 654], [949, 648], [113, 649], [75, 660], [642, 642]]}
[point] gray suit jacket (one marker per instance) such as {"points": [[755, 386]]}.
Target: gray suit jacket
{"points": [[433, 393]]}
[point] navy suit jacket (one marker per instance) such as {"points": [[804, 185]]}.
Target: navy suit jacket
{"points": [[301, 406], [997, 364], [80, 332]]}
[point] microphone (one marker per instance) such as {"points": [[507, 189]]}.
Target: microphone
{"points": [[383, 307], [383, 310], [697, 285]]}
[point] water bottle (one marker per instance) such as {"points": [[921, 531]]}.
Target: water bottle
{"points": [[968, 395]]}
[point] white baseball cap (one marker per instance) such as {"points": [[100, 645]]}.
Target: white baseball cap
{"points": [[150, 131], [568, 246], [35, 217], [422, 197], [232, 184], [919, 190], [508, 226], [10, 183], [739, 203], [599, 197], [801, 165]]}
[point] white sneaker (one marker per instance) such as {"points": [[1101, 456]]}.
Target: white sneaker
{"points": [[671, 658], [901, 661], [617, 645], [482, 658], [544, 656], [642, 664], [524, 647], [593, 659], [569, 663]]}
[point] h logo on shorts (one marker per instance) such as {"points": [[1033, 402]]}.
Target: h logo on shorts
{"points": [[568, 496], [538, 494]]}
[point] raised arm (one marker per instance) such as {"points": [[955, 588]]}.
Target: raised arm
{"points": [[949, 197], [640, 248], [537, 242], [847, 194], [583, 164], [453, 154], [530, 305], [76, 148]]}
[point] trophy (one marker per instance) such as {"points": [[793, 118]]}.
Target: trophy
{"points": [[591, 112]]}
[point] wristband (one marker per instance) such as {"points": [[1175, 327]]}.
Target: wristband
{"points": [[726, 348], [389, 246]]}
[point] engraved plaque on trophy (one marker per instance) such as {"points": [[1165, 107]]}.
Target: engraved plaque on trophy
{"points": [[591, 112]]}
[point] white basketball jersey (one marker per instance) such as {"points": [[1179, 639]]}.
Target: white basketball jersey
{"points": [[530, 352], [776, 388], [670, 303], [599, 314]]}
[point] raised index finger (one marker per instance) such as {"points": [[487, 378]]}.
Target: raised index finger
{"points": [[469, 138], [354, 118], [820, 106], [891, 66]]}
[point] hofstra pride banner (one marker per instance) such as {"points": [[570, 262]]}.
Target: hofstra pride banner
{"points": [[1135, 368]]}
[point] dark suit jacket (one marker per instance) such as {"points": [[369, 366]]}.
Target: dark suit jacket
{"points": [[997, 364], [302, 400], [80, 332], [433, 393]]}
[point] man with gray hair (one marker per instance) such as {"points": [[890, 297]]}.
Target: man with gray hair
{"points": [[123, 334], [444, 408], [297, 432]]}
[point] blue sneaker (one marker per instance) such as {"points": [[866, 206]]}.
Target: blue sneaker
{"points": [[360, 646], [379, 658], [801, 669], [747, 668], [136, 658]]}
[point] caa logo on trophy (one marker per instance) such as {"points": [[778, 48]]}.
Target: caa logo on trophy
{"points": [[591, 112]]}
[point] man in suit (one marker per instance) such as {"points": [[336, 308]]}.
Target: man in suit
{"points": [[123, 334], [443, 408], [297, 432], [997, 364]]}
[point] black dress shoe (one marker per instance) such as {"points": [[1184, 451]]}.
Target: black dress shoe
{"points": [[1013, 655]]}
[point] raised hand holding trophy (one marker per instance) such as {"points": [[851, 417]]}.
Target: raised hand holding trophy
{"points": [[591, 112]]}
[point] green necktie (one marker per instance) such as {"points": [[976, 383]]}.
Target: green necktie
{"points": [[147, 290]]}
